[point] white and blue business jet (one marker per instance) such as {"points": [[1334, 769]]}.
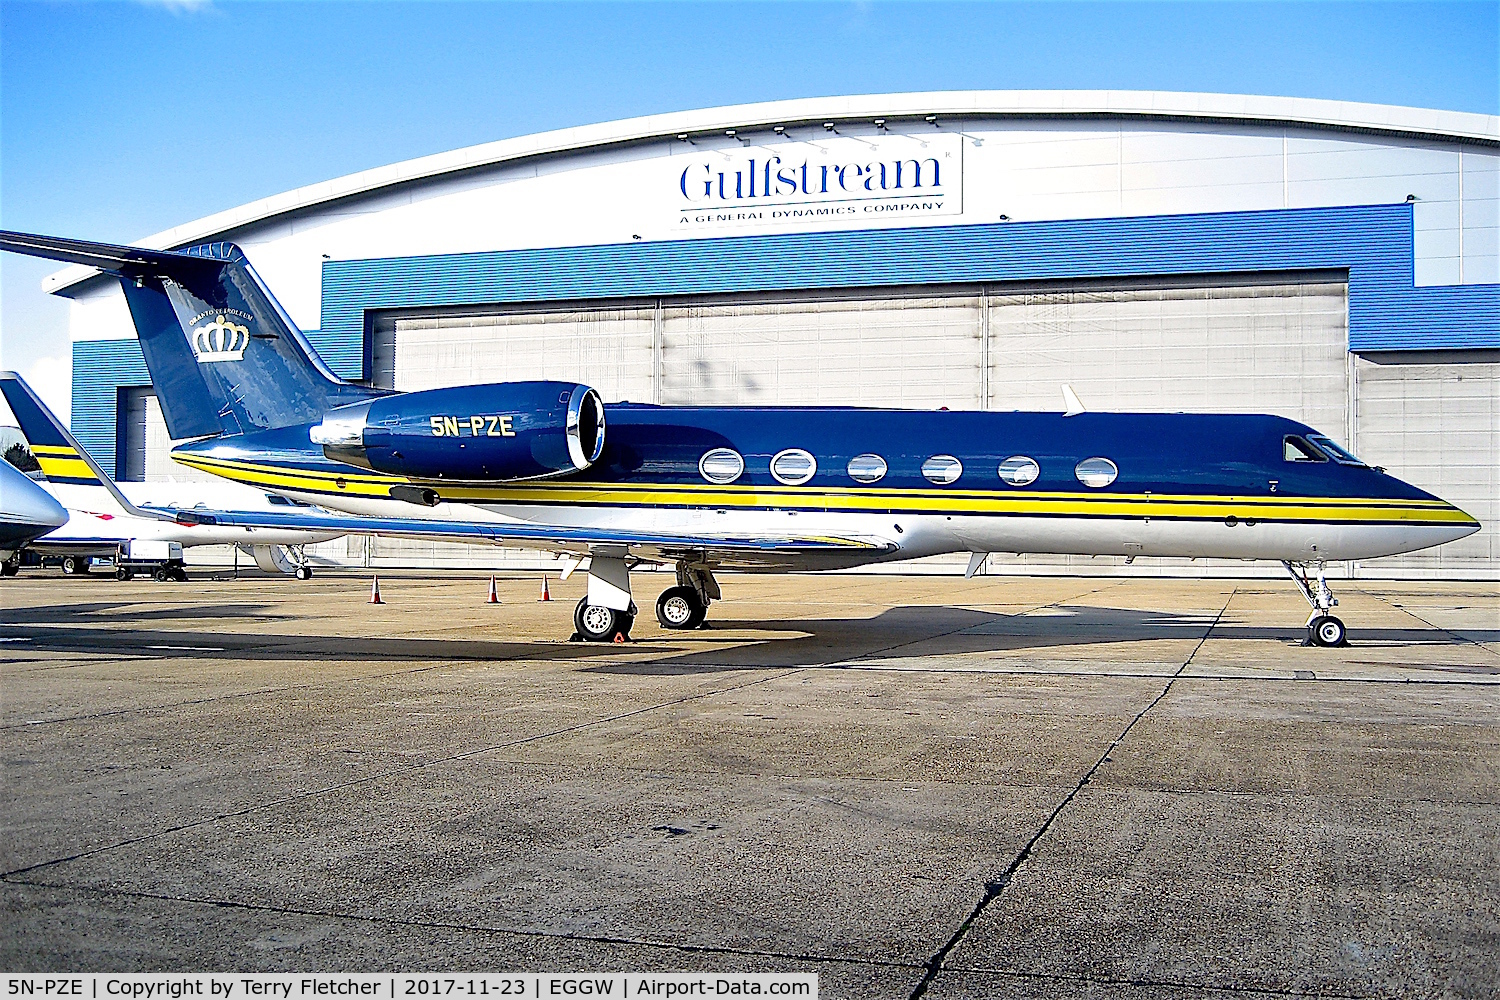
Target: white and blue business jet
{"points": [[748, 488]]}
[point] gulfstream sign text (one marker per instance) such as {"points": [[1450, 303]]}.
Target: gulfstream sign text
{"points": [[842, 176]]}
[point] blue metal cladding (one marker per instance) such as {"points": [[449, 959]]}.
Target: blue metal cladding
{"points": [[100, 369], [344, 355], [1375, 243]]}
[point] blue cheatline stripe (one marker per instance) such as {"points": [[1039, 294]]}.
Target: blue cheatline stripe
{"points": [[1374, 243]]}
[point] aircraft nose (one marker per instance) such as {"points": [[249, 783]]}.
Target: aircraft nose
{"points": [[1451, 520], [27, 503]]}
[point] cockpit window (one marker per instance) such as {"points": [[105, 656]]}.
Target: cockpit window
{"points": [[1336, 453], [1294, 449]]}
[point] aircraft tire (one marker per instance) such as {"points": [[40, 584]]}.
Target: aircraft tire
{"points": [[680, 608], [1326, 630], [596, 623], [303, 573], [11, 566]]}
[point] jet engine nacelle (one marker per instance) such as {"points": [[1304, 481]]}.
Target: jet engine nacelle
{"points": [[502, 431]]}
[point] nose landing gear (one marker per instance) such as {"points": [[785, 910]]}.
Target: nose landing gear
{"points": [[1323, 629]]}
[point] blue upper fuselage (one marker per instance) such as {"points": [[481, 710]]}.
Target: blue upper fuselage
{"points": [[1211, 454]]}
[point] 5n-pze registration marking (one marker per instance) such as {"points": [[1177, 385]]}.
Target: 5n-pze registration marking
{"points": [[478, 425]]}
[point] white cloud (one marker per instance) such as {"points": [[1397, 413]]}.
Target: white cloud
{"points": [[178, 6], [52, 379]]}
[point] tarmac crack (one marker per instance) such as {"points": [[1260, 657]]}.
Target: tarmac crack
{"points": [[393, 772], [1432, 625], [648, 942], [995, 887]]}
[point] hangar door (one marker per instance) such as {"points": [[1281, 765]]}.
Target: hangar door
{"points": [[1248, 345], [611, 349], [1437, 426]]}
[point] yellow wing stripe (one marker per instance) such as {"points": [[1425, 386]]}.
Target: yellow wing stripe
{"points": [[1342, 510]]}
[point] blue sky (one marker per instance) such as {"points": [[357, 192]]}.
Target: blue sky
{"points": [[120, 119]]}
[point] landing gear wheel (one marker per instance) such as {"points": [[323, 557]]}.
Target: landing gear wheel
{"points": [[680, 608], [75, 566], [11, 566], [596, 623], [303, 573], [122, 574], [1326, 630]]}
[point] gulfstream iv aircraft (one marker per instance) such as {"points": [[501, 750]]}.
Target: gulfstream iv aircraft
{"points": [[548, 465]]}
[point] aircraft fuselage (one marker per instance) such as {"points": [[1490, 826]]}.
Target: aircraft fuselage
{"points": [[1194, 485]]}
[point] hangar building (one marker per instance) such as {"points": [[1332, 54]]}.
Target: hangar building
{"points": [[1336, 263]]}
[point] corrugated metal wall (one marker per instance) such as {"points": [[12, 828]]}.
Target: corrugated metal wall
{"points": [[1437, 425]]}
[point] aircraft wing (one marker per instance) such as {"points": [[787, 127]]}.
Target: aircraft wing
{"points": [[728, 549]]}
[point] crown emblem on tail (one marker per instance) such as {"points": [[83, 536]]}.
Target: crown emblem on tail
{"points": [[220, 340]]}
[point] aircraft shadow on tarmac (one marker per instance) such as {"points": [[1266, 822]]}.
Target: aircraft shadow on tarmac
{"points": [[914, 632], [921, 631]]}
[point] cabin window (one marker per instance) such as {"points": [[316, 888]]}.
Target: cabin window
{"points": [[1096, 472], [1294, 449], [793, 467], [722, 465], [1018, 470], [867, 468], [1334, 452], [942, 469]]}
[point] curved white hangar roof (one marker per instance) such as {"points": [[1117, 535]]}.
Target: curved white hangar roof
{"points": [[1377, 119]]}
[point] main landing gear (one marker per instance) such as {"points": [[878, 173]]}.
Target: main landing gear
{"points": [[1323, 629], [596, 623], [686, 605], [607, 613]]}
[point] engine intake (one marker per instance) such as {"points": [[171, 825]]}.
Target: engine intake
{"points": [[486, 433]]}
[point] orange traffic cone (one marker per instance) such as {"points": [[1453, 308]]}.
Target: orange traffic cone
{"points": [[494, 593], [375, 591], [619, 637], [546, 594]]}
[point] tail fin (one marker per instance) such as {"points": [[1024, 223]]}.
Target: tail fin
{"points": [[62, 458], [225, 358]]}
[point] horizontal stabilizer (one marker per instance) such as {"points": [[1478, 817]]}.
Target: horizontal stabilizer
{"points": [[105, 256]]}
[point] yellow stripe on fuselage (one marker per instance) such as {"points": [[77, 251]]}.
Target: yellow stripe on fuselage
{"points": [[1058, 504]]}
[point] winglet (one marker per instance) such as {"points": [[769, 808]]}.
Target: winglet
{"points": [[1072, 406], [62, 458]]}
